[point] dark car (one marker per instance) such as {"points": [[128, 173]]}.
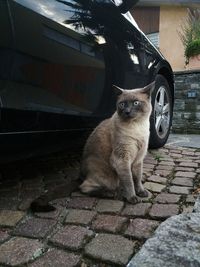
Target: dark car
{"points": [[58, 62]]}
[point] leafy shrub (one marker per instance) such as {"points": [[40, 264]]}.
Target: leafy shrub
{"points": [[193, 48], [190, 34]]}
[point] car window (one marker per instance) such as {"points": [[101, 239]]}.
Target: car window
{"points": [[49, 8]]}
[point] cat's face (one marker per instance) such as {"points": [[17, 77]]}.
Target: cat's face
{"points": [[134, 104]]}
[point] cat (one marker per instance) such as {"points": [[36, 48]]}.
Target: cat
{"points": [[114, 152]]}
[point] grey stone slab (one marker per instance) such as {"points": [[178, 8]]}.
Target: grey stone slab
{"points": [[167, 198], [175, 243], [112, 248], [18, 251], [163, 210], [57, 258], [183, 190], [182, 181], [80, 216], [157, 179], [10, 217], [137, 210], [71, 236], [154, 187], [34, 227], [141, 228], [109, 205]]}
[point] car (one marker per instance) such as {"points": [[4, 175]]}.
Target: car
{"points": [[59, 61]]}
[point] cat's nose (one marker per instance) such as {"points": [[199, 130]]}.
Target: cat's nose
{"points": [[127, 112]]}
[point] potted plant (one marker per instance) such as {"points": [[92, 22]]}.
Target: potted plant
{"points": [[190, 36]]}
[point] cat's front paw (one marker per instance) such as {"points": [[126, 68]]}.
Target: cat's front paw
{"points": [[143, 193], [133, 200]]}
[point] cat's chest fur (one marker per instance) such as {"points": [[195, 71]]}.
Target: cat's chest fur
{"points": [[130, 138]]}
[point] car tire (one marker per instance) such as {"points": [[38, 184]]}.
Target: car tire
{"points": [[161, 116]]}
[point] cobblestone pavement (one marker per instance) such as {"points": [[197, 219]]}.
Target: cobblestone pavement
{"points": [[87, 231]]}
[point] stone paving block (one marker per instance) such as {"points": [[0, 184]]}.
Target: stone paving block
{"points": [[147, 172], [10, 217], [108, 223], [175, 151], [185, 174], [109, 206], [182, 181], [18, 251], [183, 190], [34, 227], [184, 169], [149, 160], [163, 173], [163, 211], [141, 228], [3, 235], [176, 155], [188, 164], [146, 199], [154, 187], [139, 209], [188, 153], [112, 248], [191, 199], [157, 179], [57, 258], [148, 166], [84, 217], [71, 237], [166, 198], [187, 209], [82, 203], [167, 163], [164, 167]]}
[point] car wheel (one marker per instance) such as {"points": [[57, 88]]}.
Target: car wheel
{"points": [[161, 117]]}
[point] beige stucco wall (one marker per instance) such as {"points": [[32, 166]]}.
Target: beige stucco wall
{"points": [[171, 47]]}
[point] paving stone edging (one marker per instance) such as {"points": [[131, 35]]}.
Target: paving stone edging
{"points": [[90, 231], [176, 241]]}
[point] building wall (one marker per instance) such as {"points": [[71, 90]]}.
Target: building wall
{"points": [[171, 19], [186, 115], [147, 18]]}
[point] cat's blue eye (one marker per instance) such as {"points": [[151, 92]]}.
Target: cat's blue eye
{"points": [[121, 105], [136, 103]]}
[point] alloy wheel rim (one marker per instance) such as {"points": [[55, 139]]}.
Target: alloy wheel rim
{"points": [[162, 112]]}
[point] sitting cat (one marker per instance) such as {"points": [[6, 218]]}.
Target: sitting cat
{"points": [[114, 152]]}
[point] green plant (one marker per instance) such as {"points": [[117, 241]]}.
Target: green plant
{"points": [[190, 34], [193, 48]]}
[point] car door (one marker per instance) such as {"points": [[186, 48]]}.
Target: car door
{"points": [[57, 80]]}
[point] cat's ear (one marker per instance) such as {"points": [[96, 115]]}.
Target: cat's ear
{"points": [[118, 91], [149, 88]]}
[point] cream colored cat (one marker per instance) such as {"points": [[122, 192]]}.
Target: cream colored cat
{"points": [[114, 152]]}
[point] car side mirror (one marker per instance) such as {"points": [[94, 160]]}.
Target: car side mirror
{"points": [[126, 5]]}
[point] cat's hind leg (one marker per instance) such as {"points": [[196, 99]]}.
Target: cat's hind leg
{"points": [[99, 186], [89, 185]]}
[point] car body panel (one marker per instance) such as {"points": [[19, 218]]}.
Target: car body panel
{"points": [[56, 75]]}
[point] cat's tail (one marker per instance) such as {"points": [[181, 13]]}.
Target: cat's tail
{"points": [[41, 204]]}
